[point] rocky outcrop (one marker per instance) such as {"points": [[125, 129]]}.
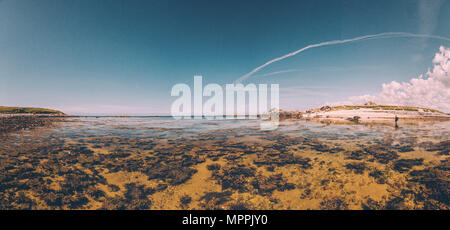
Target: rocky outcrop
{"points": [[16, 123]]}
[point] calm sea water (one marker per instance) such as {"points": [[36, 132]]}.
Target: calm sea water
{"points": [[142, 126]]}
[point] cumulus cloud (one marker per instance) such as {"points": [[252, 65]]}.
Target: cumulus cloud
{"points": [[431, 90]]}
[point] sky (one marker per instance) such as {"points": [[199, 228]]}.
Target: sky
{"points": [[92, 57]]}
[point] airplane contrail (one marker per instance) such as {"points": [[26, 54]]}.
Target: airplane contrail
{"points": [[335, 42], [278, 72]]}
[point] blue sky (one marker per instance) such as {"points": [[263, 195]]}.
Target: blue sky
{"points": [[123, 57]]}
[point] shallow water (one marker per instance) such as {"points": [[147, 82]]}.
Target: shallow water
{"points": [[161, 163]]}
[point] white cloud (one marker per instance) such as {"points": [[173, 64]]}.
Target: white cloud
{"points": [[430, 91]]}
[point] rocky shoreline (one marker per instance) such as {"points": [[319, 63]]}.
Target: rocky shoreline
{"points": [[17, 122]]}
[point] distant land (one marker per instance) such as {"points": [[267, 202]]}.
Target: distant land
{"points": [[353, 113], [28, 111], [366, 113]]}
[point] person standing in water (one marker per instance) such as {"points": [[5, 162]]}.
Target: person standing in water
{"points": [[396, 119]]}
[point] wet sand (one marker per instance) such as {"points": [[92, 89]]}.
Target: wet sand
{"points": [[151, 163]]}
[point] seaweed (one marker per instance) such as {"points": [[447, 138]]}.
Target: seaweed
{"points": [[135, 198], [436, 184], [442, 147], [404, 165], [357, 167], [235, 177], [380, 176], [371, 204], [281, 159], [215, 200], [396, 203], [321, 147], [240, 205], [356, 155], [334, 203], [185, 201], [266, 185], [213, 167], [381, 153]]}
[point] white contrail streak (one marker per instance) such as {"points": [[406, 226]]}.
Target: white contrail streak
{"points": [[278, 72], [335, 42]]}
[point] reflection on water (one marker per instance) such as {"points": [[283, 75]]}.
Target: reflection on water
{"points": [[161, 163]]}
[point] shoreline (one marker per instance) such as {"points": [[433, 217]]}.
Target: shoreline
{"points": [[17, 122], [341, 115], [366, 114]]}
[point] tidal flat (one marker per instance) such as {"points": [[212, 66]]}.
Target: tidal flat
{"points": [[161, 163]]}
